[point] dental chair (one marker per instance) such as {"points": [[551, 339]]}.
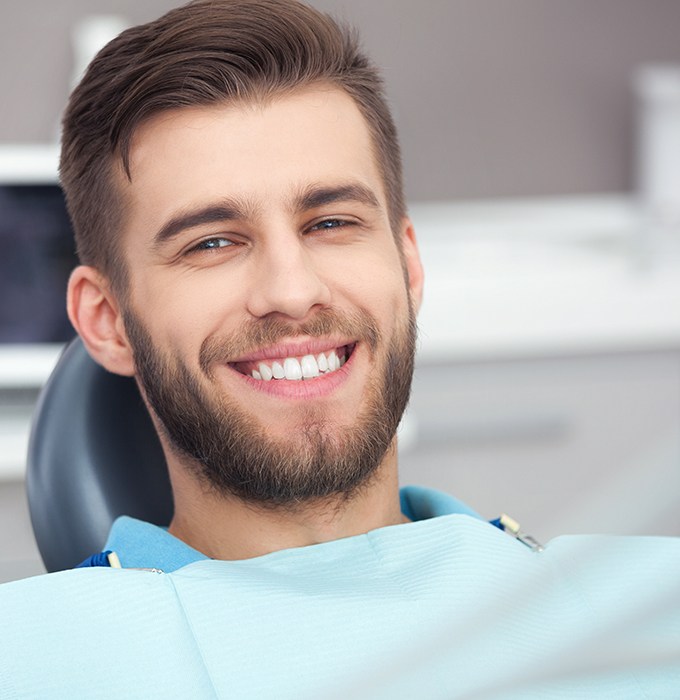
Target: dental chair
{"points": [[93, 455]]}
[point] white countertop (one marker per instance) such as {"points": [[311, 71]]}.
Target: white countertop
{"points": [[546, 277], [29, 163]]}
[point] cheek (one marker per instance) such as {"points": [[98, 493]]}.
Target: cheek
{"points": [[182, 313], [378, 287]]}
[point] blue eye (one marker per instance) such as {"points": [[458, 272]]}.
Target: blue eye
{"points": [[328, 224], [213, 244]]}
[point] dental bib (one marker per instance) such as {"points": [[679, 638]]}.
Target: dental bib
{"points": [[444, 607]]}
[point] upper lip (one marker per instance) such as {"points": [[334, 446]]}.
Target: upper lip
{"points": [[310, 346]]}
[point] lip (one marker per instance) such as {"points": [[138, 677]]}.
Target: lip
{"points": [[301, 389]]}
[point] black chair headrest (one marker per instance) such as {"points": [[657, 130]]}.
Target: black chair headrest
{"points": [[93, 455]]}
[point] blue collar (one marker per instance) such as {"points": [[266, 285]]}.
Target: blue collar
{"points": [[142, 545]]}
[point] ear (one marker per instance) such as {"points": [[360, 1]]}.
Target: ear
{"points": [[414, 268], [95, 314]]}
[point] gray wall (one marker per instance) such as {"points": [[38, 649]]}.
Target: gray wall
{"points": [[493, 97]]}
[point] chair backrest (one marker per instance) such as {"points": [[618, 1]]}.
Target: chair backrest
{"points": [[93, 455]]}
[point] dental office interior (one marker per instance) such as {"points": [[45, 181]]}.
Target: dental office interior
{"points": [[541, 146]]}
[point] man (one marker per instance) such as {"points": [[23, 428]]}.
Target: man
{"points": [[233, 176]]}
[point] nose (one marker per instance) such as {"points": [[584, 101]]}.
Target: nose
{"points": [[286, 280]]}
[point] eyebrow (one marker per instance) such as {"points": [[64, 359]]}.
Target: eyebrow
{"points": [[318, 196], [227, 210], [233, 210]]}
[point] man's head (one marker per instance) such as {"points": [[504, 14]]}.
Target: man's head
{"points": [[234, 179], [204, 53]]}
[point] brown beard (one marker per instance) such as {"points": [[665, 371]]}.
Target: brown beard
{"points": [[229, 448]]}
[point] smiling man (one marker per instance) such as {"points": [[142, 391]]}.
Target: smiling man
{"points": [[267, 311], [233, 175], [252, 265]]}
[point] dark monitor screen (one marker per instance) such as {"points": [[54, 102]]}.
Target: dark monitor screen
{"points": [[37, 253]]}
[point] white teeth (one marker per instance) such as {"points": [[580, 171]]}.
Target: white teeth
{"points": [[277, 370], [292, 369], [309, 367], [322, 362]]}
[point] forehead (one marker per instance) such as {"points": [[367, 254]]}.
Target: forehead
{"points": [[258, 152]]}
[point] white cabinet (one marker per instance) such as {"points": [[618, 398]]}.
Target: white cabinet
{"points": [[564, 445]]}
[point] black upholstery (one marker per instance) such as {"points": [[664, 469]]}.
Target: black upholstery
{"points": [[93, 455]]}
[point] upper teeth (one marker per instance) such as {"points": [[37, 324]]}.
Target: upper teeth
{"points": [[306, 368]]}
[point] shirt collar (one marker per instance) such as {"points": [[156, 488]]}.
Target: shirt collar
{"points": [[141, 545]]}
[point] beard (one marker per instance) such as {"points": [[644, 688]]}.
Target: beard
{"points": [[229, 449]]}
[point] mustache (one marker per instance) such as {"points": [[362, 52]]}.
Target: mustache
{"points": [[254, 335]]}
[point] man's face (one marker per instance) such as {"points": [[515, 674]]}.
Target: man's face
{"points": [[271, 323]]}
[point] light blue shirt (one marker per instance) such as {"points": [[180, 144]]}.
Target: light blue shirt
{"points": [[444, 607]]}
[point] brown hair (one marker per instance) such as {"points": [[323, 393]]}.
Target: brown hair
{"points": [[205, 52]]}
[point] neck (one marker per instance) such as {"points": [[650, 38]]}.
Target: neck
{"points": [[225, 527]]}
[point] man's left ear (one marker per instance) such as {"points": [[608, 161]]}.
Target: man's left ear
{"points": [[414, 268]]}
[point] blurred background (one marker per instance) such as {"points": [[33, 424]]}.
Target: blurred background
{"points": [[541, 145]]}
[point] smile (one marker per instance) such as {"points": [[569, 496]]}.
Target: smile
{"points": [[296, 367]]}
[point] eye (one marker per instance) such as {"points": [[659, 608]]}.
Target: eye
{"points": [[212, 244], [327, 224]]}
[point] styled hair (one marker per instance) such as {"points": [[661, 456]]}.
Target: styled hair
{"points": [[203, 53]]}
